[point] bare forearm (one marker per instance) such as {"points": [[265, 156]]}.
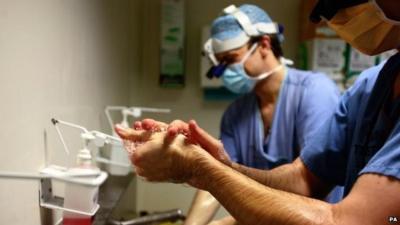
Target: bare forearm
{"points": [[293, 177], [203, 209], [252, 203]]}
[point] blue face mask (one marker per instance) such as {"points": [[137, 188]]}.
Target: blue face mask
{"points": [[238, 81]]}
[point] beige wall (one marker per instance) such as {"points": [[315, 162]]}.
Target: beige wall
{"points": [[187, 103], [58, 58]]}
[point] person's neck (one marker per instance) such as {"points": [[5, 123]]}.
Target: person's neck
{"points": [[268, 89]]}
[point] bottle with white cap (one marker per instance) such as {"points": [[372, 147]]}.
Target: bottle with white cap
{"points": [[79, 197], [118, 153]]}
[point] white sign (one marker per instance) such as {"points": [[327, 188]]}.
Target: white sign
{"points": [[359, 61], [328, 55]]}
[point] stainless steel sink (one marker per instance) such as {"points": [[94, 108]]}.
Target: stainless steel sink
{"points": [[109, 195], [153, 219]]}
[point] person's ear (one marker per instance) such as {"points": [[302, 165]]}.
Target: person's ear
{"points": [[265, 45]]}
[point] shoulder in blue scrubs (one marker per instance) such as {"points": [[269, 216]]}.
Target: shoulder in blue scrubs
{"points": [[334, 152]]}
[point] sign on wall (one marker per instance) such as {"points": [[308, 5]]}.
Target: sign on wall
{"points": [[172, 43]]}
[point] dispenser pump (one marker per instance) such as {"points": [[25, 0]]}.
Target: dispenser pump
{"points": [[84, 157]]}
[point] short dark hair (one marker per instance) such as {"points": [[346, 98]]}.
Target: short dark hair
{"points": [[275, 45]]}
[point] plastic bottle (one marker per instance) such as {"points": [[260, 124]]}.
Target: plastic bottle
{"points": [[80, 197]]}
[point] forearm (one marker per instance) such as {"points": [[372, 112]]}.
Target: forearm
{"points": [[252, 203], [203, 209], [293, 177]]}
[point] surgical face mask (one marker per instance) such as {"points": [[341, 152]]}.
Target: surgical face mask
{"points": [[366, 28], [238, 81]]}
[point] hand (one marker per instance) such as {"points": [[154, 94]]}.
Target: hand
{"points": [[135, 135], [132, 138], [176, 161], [209, 143], [150, 125], [173, 129], [141, 130]]}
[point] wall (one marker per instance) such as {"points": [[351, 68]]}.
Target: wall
{"points": [[64, 59], [187, 103]]}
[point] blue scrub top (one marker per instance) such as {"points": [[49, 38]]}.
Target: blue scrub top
{"points": [[306, 99], [330, 154]]}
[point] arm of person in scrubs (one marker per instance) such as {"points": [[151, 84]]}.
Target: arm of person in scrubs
{"points": [[372, 200], [294, 171], [216, 149]]}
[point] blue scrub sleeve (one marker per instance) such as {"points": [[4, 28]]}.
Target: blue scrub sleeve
{"points": [[387, 160], [318, 103], [325, 154], [227, 134]]}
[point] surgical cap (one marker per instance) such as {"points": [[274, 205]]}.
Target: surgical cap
{"points": [[226, 27]]}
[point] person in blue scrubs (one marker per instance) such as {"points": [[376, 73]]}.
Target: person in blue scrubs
{"points": [[358, 146], [280, 108]]}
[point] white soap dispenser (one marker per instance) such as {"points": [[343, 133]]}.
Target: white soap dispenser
{"points": [[77, 196]]}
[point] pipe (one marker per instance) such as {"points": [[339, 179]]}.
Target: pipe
{"points": [[172, 215]]}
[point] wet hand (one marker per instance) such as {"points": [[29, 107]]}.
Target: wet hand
{"points": [[161, 160]]}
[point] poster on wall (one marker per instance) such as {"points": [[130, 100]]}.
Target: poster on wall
{"points": [[328, 55], [359, 62], [172, 44]]}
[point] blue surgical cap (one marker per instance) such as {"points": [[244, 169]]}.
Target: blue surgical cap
{"points": [[227, 27]]}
